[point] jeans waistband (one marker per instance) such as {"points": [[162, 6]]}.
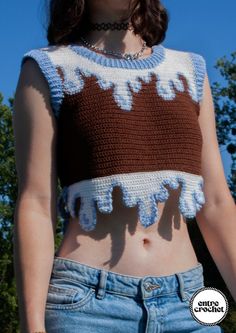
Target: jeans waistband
{"points": [[133, 286]]}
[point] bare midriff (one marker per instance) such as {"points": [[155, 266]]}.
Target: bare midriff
{"points": [[121, 244]]}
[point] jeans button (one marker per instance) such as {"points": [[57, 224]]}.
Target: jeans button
{"points": [[149, 286]]}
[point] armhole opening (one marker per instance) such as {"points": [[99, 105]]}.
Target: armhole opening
{"points": [[199, 66]]}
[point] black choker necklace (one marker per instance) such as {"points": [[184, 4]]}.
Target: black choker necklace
{"points": [[110, 26]]}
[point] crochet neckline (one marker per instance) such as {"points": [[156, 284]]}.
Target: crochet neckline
{"points": [[153, 59]]}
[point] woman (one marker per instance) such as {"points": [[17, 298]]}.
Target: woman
{"points": [[126, 143]]}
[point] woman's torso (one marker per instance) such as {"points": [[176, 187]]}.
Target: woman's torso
{"points": [[121, 244]]}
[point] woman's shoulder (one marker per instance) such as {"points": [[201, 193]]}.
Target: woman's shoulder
{"points": [[48, 59], [191, 59], [180, 53], [42, 51], [190, 63]]}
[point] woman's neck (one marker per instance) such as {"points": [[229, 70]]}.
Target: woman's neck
{"points": [[116, 40]]}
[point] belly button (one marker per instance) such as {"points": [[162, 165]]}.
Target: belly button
{"points": [[146, 241]]}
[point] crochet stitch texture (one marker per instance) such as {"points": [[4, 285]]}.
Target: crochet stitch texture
{"points": [[127, 123]]}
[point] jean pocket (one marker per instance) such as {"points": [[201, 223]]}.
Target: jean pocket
{"points": [[191, 291], [67, 294]]}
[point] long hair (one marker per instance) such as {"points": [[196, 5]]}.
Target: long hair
{"points": [[68, 18]]}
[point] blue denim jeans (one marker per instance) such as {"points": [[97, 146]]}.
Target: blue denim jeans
{"points": [[82, 299]]}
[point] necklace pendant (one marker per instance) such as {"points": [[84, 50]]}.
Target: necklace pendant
{"points": [[128, 56]]}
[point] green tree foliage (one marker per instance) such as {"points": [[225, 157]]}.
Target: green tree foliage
{"points": [[8, 191], [225, 106], [224, 100]]}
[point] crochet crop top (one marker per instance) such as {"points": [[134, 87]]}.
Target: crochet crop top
{"points": [[127, 123]]}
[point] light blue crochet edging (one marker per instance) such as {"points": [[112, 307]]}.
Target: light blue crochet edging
{"points": [[51, 75], [156, 57], [105, 205], [199, 64]]}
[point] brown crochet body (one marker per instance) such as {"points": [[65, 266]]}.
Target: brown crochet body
{"points": [[96, 138]]}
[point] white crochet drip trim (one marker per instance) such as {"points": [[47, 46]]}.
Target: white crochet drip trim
{"points": [[126, 81], [144, 189]]}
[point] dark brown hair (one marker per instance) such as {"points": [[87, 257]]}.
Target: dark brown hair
{"points": [[67, 19]]}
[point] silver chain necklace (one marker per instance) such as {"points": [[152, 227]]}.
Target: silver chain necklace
{"points": [[128, 56]]}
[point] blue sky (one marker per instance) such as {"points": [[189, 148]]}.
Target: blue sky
{"points": [[205, 27]]}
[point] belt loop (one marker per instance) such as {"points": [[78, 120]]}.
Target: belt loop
{"points": [[181, 286], [102, 284]]}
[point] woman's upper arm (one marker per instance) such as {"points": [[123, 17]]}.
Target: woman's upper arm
{"points": [[216, 189], [34, 128]]}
